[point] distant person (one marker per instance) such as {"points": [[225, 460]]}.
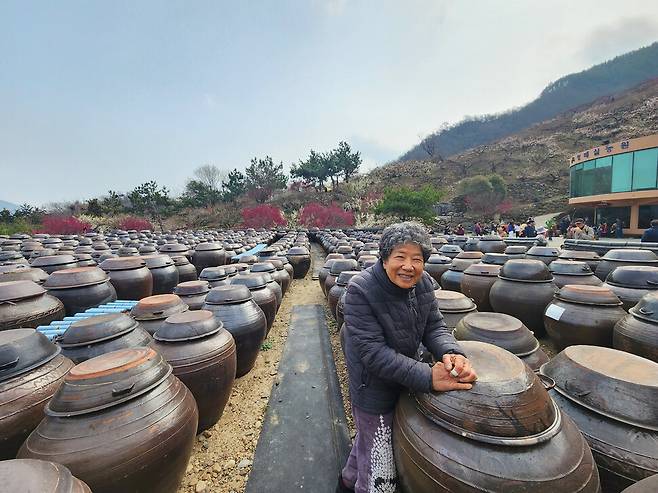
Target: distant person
{"points": [[580, 231], [565, 222], [618, 228], [511, 230], [530, 231], [603, 230], [477, 229], [446, 230], [460, 230], [651, 234]]}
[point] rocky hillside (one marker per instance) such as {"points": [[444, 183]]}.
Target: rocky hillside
{"points": [[534, 162]]}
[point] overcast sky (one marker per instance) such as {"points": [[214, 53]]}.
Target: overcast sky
{"points": [[106, 95]]}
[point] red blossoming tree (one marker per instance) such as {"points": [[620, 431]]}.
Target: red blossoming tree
{"points": [[136, 223], [323, 216], [64, 225], [262, 216]]}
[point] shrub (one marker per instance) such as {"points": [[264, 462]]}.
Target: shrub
{"points": [[405, 203], [482, 193], [322, 216], [262, 216], [132, 222], [63, 225]]}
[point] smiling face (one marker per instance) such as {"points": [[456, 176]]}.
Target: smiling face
{"points": [[404, 266]]}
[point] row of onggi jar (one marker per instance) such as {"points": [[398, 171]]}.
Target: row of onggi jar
{"points": [[114, 401]]}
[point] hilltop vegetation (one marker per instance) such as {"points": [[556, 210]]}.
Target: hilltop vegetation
{"points": [[571, 91]]}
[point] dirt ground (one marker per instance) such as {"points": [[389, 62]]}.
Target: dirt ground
{"points": [[222, 456]]}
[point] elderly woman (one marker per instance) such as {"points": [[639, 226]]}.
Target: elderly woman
{"points": [[390, 309]]}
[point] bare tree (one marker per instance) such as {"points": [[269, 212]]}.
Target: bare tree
{"points": [[210, 175]]}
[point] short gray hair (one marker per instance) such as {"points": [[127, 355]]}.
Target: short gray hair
{"points": [[401, 233]]}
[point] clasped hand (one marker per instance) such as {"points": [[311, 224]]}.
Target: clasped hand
{"points": [[442, 378]]}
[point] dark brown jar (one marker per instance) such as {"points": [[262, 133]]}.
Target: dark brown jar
{"points": [[26, 304], [337, 289], [186, 271], [193, 293], [523, 289], [476, 283], [300, 259], [515, 251], [215, 276], [175, 249], [503, 331], [324, 273], [10, 258], [101, 334], [495, 258], [81, 288], [582, 315], [491, 244], [337, 267], [31, 371], [130, 277], [164, 272], [286, 265], [261, 293], [120, 422], [243, 318], [436, 265], [637, 332], [453, 305], [624, 256], [280, 274], [472, 441], [52, 263], [32, 476], [450, 251], [544, 253], [452, 278], [209, 255], [84, 260], [572, 272], [340, 309], [612, 396], [202, 354], [152, 311], [265, 269], [590, 258], [630, 283], [22, 272], [646, 485]]}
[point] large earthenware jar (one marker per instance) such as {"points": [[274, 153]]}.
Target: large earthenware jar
{"points": [[647, 485], [323, 273], [495, 258], [572, 272], [26, 304], [261, 293], [624, 256], [523, 289], [613, 398], [637, 332], [243, 318], [202, 354], [209, 255], [337, 267], [471, 441], [280, 274], [175, 249], [81, 288], [491, 244], [436, 265], [582, 315], [452, 278], [215, 276], [337, 290], [93, 336], [590, 258], [193, 293], [267, 270], [152, 311], [22, 272], [454, 306], [476, 283], [287, 266], [630, 283], [130, 277], [52, 263], [120, 422], [186, 271], [450, 251], [504, 331], [300, 258], [164, 272], [31, 371], [515, 251], [544, 253], [471, 245], [32, 476]]}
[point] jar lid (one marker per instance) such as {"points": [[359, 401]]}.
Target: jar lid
{"points": [[22, 350], [631, 255], [263, 267], [634, 276], [587, 295], [342, 264], [490, 238], [543, 251], [484, 270], [97, 329], [495, 258], [189, 288], [32, 475], [205, 247], [180, 260], [75, 278], [499, 329], [453, 301], [526, 270], [438, 259], [19, 290], [108, 380], [450, 249], [174, 248], [570, 268], [268, 252], [22, 272], [50, 260], [578, 255], [158, 307], [515, 250], [507, 406], [252, 281], [475, 255], [613, 383], [646, 308], [157, 261], [300, 250], [213, 274], [344, 249], [224, 295], [188, 326], [122, 263], [345, 276]]}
